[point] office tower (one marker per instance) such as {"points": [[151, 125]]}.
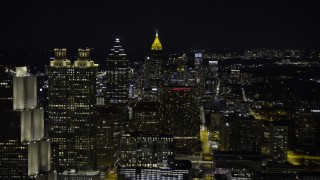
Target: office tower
{"points": [[117, 76], [72, 90], [32, 124], [199, 69], [145, 117], [213, 69], [182, 68], [278, 141], [13, 155], [198, 59], [180, 116], [240, 133], [101, 87], [175, 71], [146, 150], [117, 90], [211, 80], [154, 67], [106, 142], [245, 134]]}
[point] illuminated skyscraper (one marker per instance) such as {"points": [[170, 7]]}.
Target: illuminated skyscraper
{"points": [[32, 124], [13, 155], [72, 90], [198, 59], [180, 116], [154, 66], [117, 75], [117, 91], [211, 80]]}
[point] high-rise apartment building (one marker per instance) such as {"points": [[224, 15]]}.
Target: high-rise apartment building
{"points": [[72, 90]]}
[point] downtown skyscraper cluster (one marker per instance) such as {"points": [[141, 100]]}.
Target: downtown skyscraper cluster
{"points": [[176, 116]]}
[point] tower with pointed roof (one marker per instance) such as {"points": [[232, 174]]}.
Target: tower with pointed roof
{"points": [[154, 68], [117, 90], [156, 45], [117, 74]]}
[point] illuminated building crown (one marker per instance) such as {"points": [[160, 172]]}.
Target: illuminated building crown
{"points": [[156, 45]]}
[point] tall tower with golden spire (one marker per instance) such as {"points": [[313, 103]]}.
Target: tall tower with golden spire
{"points": [[156, 45], [153, 79]]}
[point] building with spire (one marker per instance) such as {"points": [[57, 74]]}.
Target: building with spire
{"points": [[117, 75], [117, 94], [72, 90], [154, 68], [156, 45]]}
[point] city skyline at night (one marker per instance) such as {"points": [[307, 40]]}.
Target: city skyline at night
{"points": [[177, 90]]}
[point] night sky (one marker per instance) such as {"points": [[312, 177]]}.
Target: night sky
{"points": [[182, 24]]}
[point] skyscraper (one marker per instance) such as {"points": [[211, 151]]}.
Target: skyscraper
{"points": [[13, 155], [72, 90], [154, 66], [117, 75], [211, 80], [107, 125], [117, 90], [180, 116], [32, 124]]}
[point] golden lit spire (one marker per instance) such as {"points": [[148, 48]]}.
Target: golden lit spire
{"points": [[156, 45]]}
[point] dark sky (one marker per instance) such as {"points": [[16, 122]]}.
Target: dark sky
{"points": [[212, 24]]}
